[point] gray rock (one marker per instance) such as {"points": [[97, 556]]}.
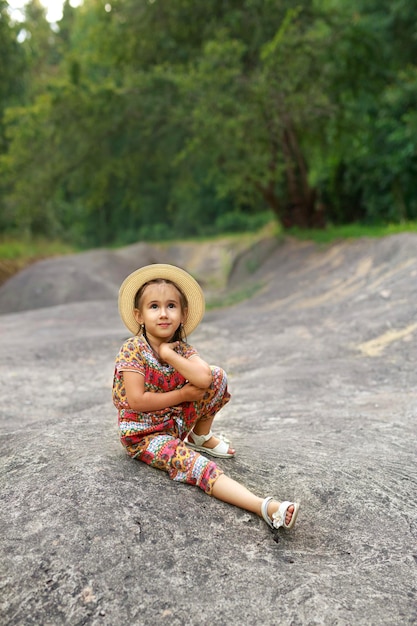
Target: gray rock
{"points": [[322, 371]]}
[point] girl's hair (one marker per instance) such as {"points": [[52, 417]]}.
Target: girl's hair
{"points": [[179, 334]]}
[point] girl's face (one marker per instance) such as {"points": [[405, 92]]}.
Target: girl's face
{"points": [[160, 311]]}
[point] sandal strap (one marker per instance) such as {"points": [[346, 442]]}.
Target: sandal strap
{"points": [[264, 510], [199, 440], [221, 448], [278, 518]]}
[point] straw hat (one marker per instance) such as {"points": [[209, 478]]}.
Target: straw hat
{"points": [[190, 288]]}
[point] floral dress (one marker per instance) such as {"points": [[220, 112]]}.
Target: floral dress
{"points": [[157, 438]]}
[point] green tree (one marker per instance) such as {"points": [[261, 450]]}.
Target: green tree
{"points": [[369, 171], [154, 119], [12, 60], [255, 128], [11, 91]]}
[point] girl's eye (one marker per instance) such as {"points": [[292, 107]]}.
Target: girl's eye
{"points": [[171, 305], [154, 306]]}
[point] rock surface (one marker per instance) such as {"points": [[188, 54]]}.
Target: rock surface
{"points": [[322, 370]]}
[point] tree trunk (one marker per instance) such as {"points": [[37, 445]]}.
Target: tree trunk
{"points": [[268, 192], [300, 209]]}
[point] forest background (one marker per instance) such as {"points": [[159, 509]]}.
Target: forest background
{"points": [[155, 119]]}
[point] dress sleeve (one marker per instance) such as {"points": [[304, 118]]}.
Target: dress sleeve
{"points": [[187, 351], [130, 357]]}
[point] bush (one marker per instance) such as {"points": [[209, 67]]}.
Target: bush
{"points": [[239, 222]]}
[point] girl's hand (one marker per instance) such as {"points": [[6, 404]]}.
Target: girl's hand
{"points": [[193, 369], [191, 393], [166, 348]]}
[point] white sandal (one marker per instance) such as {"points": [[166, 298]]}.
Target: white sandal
{"points": [[278, 518], [220, 451]]}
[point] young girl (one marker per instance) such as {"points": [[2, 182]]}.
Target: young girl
{"points": [[167, 396]]}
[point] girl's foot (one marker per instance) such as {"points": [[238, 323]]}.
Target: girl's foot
{"points": [[210, 444], [273, 508], [213, 442], [277, 514]]}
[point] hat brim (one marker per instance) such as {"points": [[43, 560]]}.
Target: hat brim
{"points": [[188, 285]]}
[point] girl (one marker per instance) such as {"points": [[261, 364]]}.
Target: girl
{"points": [[167, 396]]}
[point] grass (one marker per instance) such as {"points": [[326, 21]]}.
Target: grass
{"points": [[15, 249], [234, 297], [351, 231], [16, 254], [22, 251]]}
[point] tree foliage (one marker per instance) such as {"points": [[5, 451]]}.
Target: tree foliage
{"points": [[151, 119], [11, 67]]}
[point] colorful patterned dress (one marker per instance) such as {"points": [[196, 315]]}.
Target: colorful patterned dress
{"points": [[157, 438]]}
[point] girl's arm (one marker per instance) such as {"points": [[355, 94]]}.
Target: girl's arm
{"points": [[194, 369], [148, 401]]}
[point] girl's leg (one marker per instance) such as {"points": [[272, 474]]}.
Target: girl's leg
{"points": [[218, 396], [165, 451], [228, 490], [203, 427]]}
